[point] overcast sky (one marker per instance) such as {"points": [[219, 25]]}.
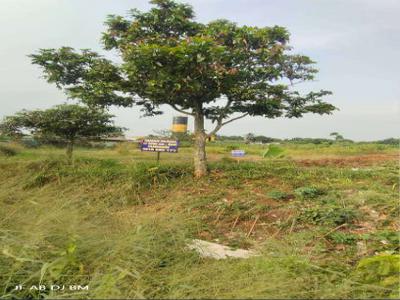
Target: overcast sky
{"points": [[356, 44]]}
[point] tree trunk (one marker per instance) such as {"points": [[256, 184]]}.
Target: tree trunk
{"points": [[200, 159], [70, 149]]}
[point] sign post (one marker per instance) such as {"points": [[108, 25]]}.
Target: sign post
{"points": [[238, 154], [162, 145]]}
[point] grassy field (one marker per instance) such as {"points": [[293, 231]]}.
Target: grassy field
{"points": [[325, 219]]}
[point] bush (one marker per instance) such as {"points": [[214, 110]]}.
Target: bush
{"points": [[309, 192]]}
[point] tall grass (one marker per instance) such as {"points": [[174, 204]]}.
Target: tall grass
{"points": [[122, 228]]}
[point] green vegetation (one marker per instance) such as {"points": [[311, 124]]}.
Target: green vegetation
{"points": [[329, 215], [382, 269], [308, 192], [273, 151], [119, 222], [63, 123], [278, 195], [219, 71], [8, 149]]}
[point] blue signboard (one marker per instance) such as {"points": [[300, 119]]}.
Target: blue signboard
{"points": [[238, 153], [153, 145]]}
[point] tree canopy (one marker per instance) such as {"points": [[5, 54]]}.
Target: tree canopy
{"points": [[218, 71], [66, 122]]}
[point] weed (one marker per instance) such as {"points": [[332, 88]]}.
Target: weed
{"points": [[39, 180], [328, 215], [308, 192], [278, 195], [343, 238]]}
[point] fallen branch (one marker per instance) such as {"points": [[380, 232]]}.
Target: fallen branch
{"points": [[252, 227], [234, 223], [219, 215], [333, 230]]}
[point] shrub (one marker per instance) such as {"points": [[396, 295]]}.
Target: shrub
{"points": [[309, 192]]}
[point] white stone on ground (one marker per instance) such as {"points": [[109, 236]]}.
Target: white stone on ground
{"points": [[217, 251]]}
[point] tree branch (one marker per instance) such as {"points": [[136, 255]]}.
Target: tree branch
{"points": [[220, 124], [222, 114], [234, 119], [181, 110]]}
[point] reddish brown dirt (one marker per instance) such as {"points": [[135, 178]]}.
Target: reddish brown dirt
{"points": [[351, 161]]}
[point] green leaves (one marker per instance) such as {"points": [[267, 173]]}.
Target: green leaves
{"points": [[64, 122], [382, 270], [83, 75], [273, 151], [169, 58]]}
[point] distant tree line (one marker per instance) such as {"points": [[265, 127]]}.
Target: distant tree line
{"points": [[337, 138]]}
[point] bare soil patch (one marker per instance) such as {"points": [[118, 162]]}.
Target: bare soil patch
{"points": [[352, 161]]}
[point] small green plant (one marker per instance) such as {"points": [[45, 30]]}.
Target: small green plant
{"points": [[308, 192], [278, 195], [273, 151], [328, 215], [342, 238]]}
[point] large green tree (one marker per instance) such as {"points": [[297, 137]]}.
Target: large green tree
{"points": [[66, 122], [218, 71]]}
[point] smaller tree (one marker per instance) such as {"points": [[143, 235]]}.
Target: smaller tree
{"points": [[338, 137], [67, 123], [249, 138]]}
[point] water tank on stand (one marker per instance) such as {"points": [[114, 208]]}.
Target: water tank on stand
{"points": [[179, 124]]}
